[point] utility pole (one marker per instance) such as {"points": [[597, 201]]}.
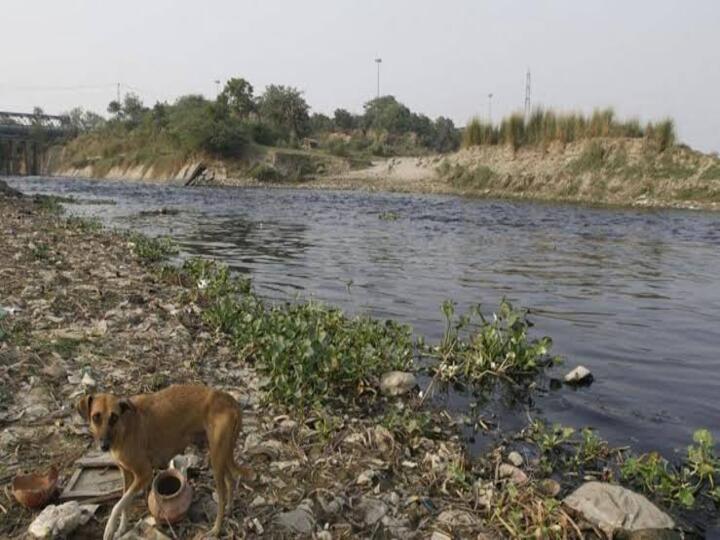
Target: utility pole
{"points": [[528, 103], [378, 61], [217, 88], [118, 92], [490, 96]]}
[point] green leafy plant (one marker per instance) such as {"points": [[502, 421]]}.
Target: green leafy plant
{"points": [[678, 484], [152, 250], [499, 346]]}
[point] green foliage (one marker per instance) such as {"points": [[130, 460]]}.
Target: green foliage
{"points": [[591, 159], [311, 354], [237, 97], [662, 134], [698, 474], [320, 123], [462, 177], [711, 173], [497, 347], [197, 124], [284, 108], [264, 172], [387, 114], [543, 127], [345, 120], [82, 120], [152, 250]]}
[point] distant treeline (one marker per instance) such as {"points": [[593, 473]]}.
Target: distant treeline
{"points": [[543, 127], [280, 116]]}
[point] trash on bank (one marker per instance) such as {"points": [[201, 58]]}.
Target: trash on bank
{"points": [[58, 521], [35, 490], [96, 477]]}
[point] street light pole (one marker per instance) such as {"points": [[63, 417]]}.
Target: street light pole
{"points": [[378, 61], [490, 96], [217, 87]]}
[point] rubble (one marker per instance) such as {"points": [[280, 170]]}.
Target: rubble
{"points": [[58, 521]]}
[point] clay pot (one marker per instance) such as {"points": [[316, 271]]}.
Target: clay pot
{"points": [[35, 490], [169, 497]]}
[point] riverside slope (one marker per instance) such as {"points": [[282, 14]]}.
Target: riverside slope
{"points": [[613, 171]]}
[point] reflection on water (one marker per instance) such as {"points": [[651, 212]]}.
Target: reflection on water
{"points": [[633, 295]]}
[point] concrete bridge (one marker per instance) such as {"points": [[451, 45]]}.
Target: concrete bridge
{"points": [[25, 138]]}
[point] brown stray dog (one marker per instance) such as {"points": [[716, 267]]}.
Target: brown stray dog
{"points": [[145, 431]]}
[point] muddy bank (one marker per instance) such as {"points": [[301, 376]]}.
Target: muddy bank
{"points": [[84, 311], [619, 172]]}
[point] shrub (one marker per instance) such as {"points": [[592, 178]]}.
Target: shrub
{"points": [[263, 172]]}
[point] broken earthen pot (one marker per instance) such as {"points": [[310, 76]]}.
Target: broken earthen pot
{"points": [[35, 490], [170, 496]]}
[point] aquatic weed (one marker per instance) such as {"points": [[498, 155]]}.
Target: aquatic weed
{"points": [[152, 250], [497, 347]]}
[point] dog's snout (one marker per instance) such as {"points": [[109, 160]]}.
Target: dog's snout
{"points": [[105, 445]]}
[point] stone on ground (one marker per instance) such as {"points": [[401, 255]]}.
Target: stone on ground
{"points": [[397, 383], [299, 521], [613, 508], [59, 521]]}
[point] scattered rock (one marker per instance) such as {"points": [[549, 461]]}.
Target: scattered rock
{"points": [[579, 376], [145, 529], [484, 493], [612, 508], [513, 474], [300, 521], [371, 510], [437, 535], [397, 383], [649, 534], [61, 520], [456, 518], [549, 487], [366, 477], [516, 459]]}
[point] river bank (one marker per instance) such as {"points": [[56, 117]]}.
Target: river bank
{"points": [[91, 303], [614, 171]]}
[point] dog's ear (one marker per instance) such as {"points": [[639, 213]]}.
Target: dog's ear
{"points": [[83, 406], [126, 406]]}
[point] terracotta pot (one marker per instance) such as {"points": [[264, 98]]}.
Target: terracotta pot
{"points": [[169, 497], [34, 490]]}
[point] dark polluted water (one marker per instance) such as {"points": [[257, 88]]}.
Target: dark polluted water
{"points": [[634, 295]]}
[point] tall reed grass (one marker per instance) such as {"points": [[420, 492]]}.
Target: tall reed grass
{"points": [[544, 126]]}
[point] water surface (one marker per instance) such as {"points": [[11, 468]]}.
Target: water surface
{"points": [[633, 295]]}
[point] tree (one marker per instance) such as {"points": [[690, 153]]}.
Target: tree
{"points": [[320, 123], [286, 109], [196, 125], [133, 109], [82, 120], [344, 120], [387, 114], [447, 137], [115, 108], [238, 97]]}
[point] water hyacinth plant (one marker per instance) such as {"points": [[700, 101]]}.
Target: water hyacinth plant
{"points": [[498, 347], [310, 354], [697, 475]]}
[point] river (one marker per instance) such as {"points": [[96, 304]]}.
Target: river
{"points": [[634, 295]]}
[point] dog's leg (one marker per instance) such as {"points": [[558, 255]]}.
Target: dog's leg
{"points": [[127, 482], [140, 479]]}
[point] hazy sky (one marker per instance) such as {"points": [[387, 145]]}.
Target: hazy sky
{"points": [[647, 58]]}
